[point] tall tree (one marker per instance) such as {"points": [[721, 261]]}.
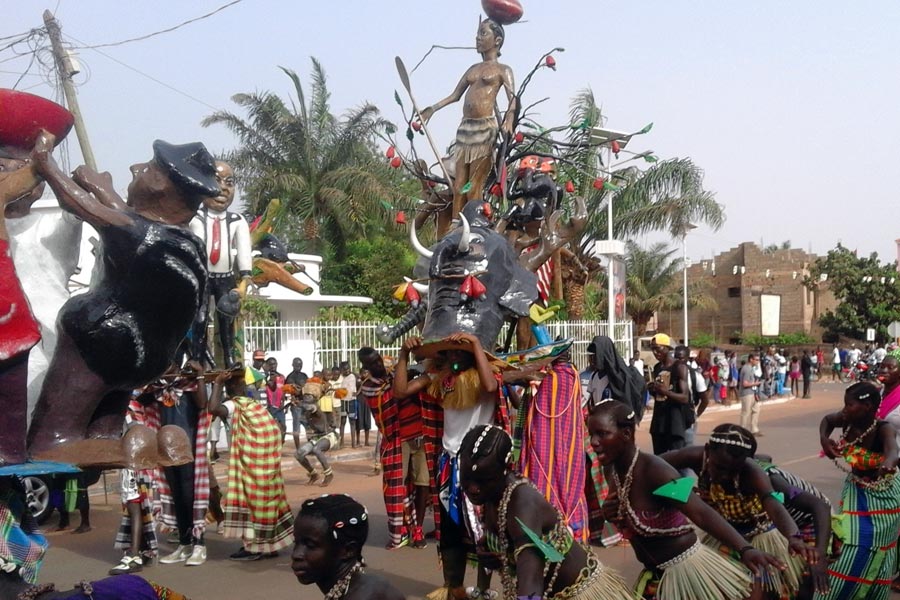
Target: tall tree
{"points": [[324, 168], [867, 290]]}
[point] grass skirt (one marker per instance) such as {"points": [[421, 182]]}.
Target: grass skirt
{"points": [[785, 584], [698, 572]]}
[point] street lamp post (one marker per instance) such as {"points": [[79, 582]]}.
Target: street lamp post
{"points": [[611, 248], [684, 289]]}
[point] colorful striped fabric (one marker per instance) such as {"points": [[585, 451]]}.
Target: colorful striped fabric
{"points": [[553, 447], [149, 544], [22, 545], [868, 525], [255, 505], [164, 505], [397, 493]]}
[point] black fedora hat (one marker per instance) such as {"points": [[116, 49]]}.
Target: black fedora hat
{"points": [[190, 166]]}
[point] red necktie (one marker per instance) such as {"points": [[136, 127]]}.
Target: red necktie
{"points": [[216, 242]]}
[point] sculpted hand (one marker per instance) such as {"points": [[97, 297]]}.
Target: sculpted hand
{"points": [[425, 114], [42, 149]]}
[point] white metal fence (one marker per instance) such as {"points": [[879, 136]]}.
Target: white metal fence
{"points": [[327, 343]]}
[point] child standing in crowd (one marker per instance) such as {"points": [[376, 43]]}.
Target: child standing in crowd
{"points": [[794, 375]]}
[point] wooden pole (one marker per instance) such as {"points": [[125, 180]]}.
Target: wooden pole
{"points": [[63, 68]]}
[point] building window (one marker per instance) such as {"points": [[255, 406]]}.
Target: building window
{"points": [[734, 292]]}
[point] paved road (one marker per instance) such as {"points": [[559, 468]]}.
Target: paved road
{"points": [[791, 437]]}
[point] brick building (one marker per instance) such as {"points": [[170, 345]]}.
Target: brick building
{"points": [[756, 293]]}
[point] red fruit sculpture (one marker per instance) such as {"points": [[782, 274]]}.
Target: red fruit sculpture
{"points": [[396, 162], [570, 187], [505, 12], [390, 152]]}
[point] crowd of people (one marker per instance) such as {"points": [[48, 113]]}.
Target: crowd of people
{"points": [[524, 477], [525, 467]]}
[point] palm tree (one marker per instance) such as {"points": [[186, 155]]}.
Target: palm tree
{"points": [[324, 169], [667, 196]]}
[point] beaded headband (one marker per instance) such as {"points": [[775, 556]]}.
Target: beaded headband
{"points": [[720, 440], [481, 436], [605, 400], [340, 524]]}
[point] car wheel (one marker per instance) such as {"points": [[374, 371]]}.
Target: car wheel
{"points": [[37, 497]]}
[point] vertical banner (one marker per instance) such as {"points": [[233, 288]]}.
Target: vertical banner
{"points": [[619, 287], [770, 314]]}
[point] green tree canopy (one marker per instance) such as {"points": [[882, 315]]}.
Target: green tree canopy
{"points": [[867, 290], [325, 169], [371, 267]]}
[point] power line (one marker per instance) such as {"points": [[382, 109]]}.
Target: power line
{"points": [[150, 77], [21, 35], [155, 33]]}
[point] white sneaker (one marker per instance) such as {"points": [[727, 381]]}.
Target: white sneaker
{"points": [[128, 564], [181, 554], [198, 556]]}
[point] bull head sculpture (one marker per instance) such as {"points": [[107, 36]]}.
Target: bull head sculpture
{"points": [[473, 249]]}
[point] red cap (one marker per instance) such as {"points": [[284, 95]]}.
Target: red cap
{"points": [[23, 115], [258, 354]]}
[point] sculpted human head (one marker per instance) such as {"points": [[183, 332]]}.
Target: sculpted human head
{"points": [[225, 179], [170, 187], [490, 36]]}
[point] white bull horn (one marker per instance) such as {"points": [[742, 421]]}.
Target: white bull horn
{"points": [[416, 244], [419, 287], [464, 238]]}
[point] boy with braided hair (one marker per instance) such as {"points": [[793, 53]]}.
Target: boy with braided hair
{"points": [[329, 534]]}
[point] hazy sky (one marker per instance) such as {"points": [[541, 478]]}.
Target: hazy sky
{"points": [[791, 108]]}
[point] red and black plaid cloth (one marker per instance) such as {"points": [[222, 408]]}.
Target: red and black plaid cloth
{"points": [[397, 493]]}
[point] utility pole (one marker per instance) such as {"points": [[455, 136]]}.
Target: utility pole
{"points": [[64, 69]]}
